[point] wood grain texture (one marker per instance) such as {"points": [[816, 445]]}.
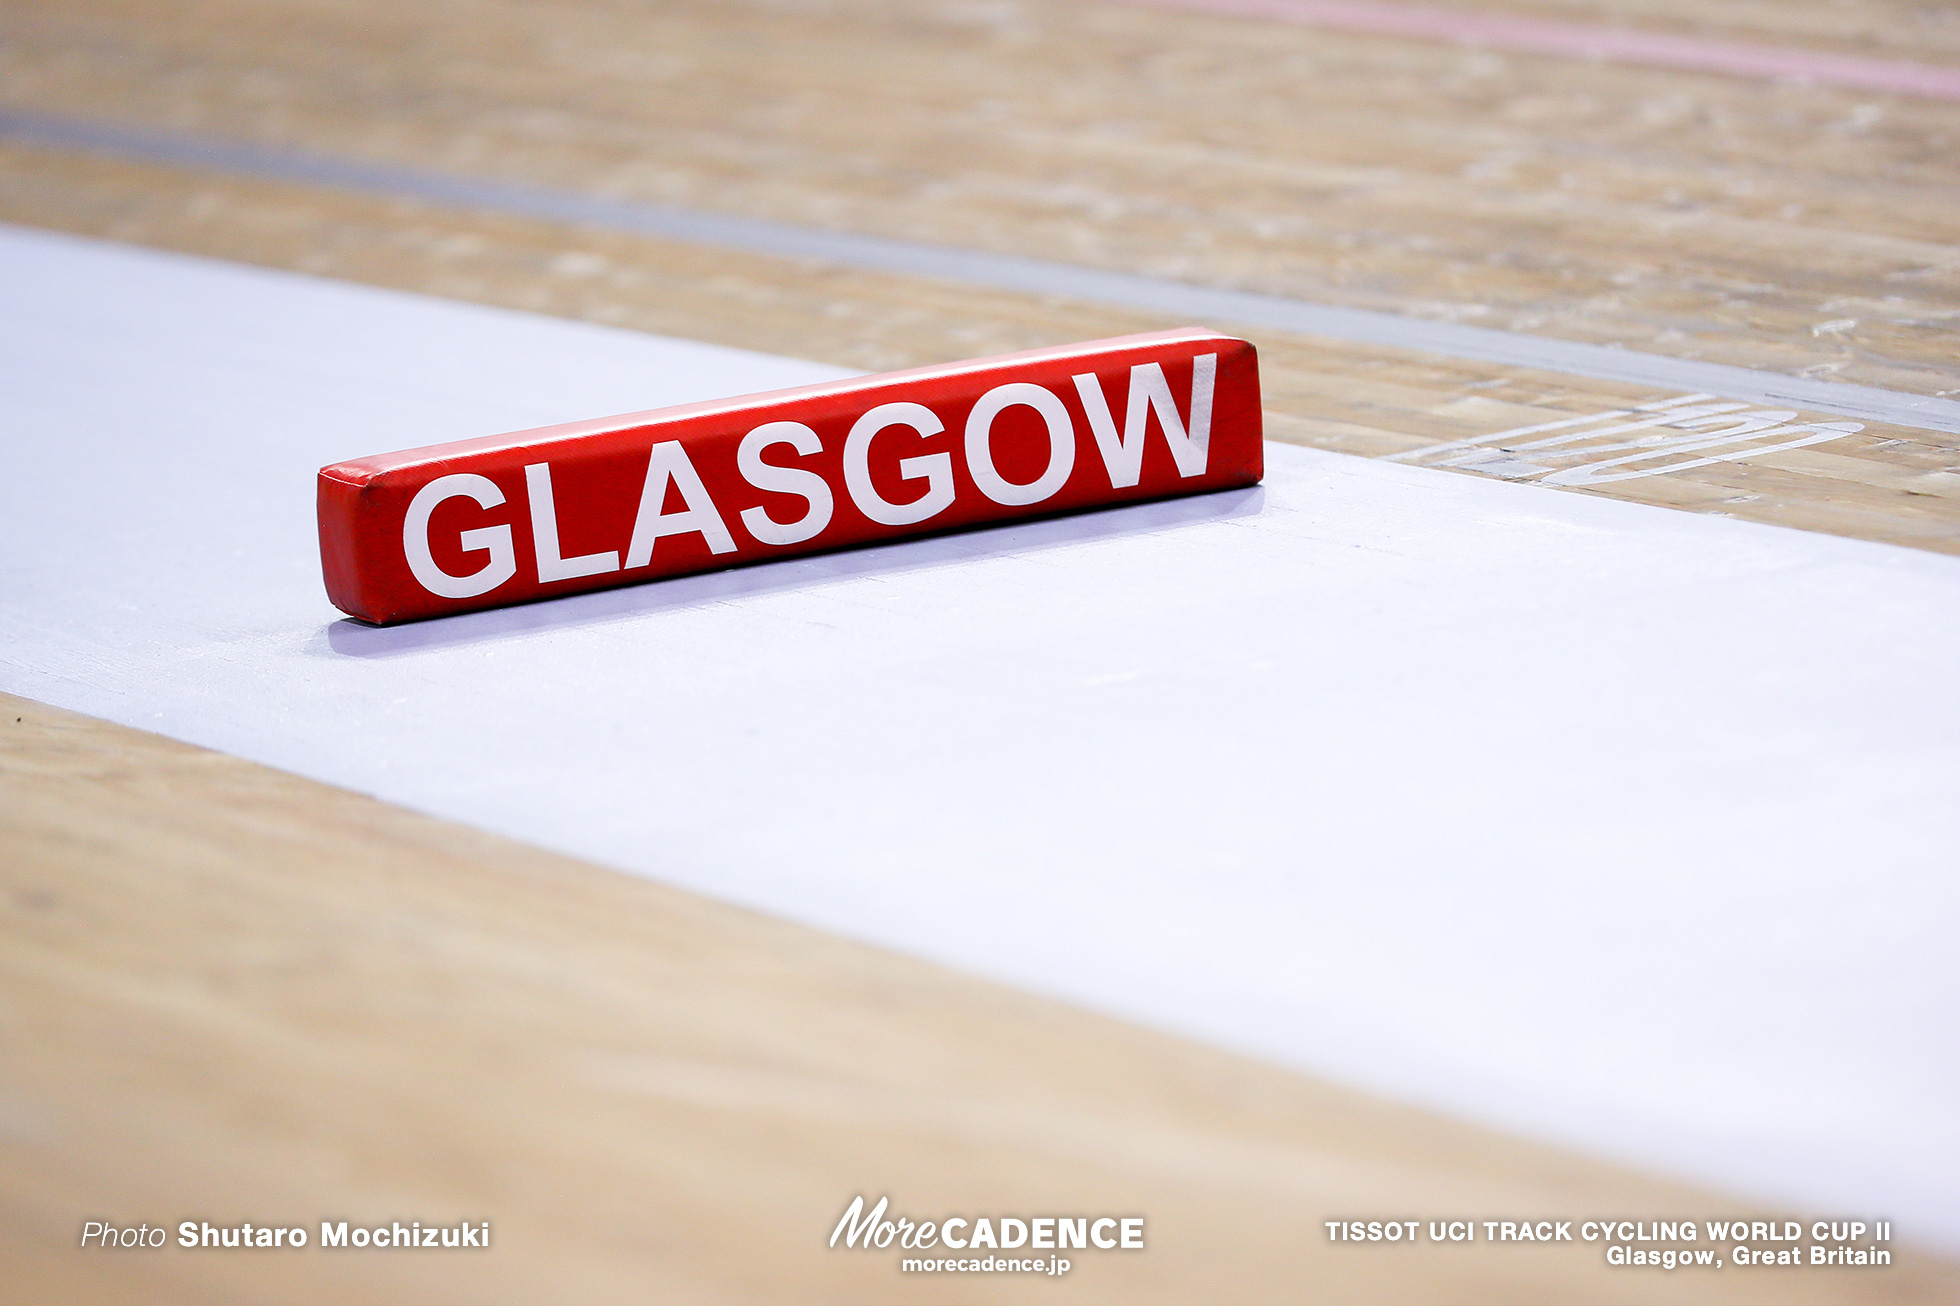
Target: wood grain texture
{"points": [[1683, 213], [1891, 484], [1897, 29], [227, 993], [1799, 229]]}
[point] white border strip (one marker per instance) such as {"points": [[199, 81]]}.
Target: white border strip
{"points": [[1003, 272]]}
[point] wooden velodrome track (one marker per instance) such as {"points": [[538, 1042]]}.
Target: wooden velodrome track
{"points": [[224, 983]]}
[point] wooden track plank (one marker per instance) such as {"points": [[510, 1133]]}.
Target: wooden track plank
{"points": [[1773, 227], [1614, 40], [1329, 394], [1904, 29], [228, 993]]}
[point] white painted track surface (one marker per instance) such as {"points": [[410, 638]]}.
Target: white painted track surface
{"points": [[1618, 826]]}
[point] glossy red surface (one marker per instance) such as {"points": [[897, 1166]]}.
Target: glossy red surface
{"points": [[455, 527]]}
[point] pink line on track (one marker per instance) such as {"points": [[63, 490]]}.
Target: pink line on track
{"points": [[1612, 44]]}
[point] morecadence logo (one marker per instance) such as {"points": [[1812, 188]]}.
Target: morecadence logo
{"points": [[978, 1240]]}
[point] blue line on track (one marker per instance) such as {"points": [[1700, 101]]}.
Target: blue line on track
{"points": [[1175, 299]]}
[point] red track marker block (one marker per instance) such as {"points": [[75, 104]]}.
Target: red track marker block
{"points": [[535, 514]]}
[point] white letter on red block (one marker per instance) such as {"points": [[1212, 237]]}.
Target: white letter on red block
{"points": [[937, 468], [666, 462], [1124, 457], [1061, 443], [828, 489], [784, 480], [544, 533], [495, 540]]}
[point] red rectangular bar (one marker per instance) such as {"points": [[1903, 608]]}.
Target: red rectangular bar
{"points": [[534, 514]]}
